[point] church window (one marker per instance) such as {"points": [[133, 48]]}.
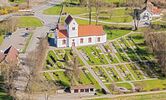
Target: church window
{"points": [[89, 40], [81, 40]]}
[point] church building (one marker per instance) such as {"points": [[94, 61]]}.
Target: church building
{"points": [[72, 34]]}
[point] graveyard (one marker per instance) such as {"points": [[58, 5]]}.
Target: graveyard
{"points": [[122, 66]]}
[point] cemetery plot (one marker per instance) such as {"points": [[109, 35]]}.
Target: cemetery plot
{"points": [[93, 55], [47, 76], [140, 46], [136, 72], [120, 54], [114, 75], [52, 62], [110, 54], [124, 72], [63, 79], [88, 75], [56, 59], [128, 50], [101, 74], [146, 70]]}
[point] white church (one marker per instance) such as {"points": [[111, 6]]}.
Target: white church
{"points": [[72, 34]]}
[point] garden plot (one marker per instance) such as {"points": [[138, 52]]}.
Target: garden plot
{"points": [[124, 72], [114, 75], [101, 74], [93, 55], [120, 54]]}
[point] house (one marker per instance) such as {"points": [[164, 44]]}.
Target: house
{"points": [[73, 34], [153, 9], [143, 15], [9, 56], [147, 13], [84, 89]]}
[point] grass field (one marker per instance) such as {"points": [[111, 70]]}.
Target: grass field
{"points": [[53, 10], [75, 10], [29, 22], [18, 1], [154, 96], [1, 39], [3, 94], [112, 34], [121, 15], [148, 85]]}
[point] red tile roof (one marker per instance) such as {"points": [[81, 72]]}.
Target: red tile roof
{"points": [[82, 87], [11, 55], [62, 33], [84, 30], [90, 30], [156, 10]]}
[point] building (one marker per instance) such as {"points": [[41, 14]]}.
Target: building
{"points": [[148, 13], [73, 34], [9, 56], [84, 89]]}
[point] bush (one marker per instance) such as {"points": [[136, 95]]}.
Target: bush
{"points": [[104, 17], [155, 89], [103, 91]]}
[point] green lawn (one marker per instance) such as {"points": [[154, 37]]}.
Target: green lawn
{"points": [[112, 34], [53, 10], [115, 15], [152, 84], [29, 22], [125, 85], [76, 10], [154, 96], [1, 39], [3, 94], [18, 1], [79, 21], [114, 1]]}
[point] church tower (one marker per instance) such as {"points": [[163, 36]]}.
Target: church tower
{"points": [[71, 26]]}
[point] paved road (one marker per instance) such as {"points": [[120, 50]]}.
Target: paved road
{"points": [[4, 17], [37, 34]]}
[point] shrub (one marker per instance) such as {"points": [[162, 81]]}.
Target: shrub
{"points": [[155, 89]]}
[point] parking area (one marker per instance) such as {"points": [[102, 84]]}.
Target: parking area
{"points": [[17, 39]]}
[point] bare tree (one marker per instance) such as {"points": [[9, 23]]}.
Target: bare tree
{"points": [[10, 73], [135, 6], [157, 43], [35, 61], [72, 70]]}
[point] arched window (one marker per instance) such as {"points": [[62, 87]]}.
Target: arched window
{"points": [[98, 39], [81, 40], [64, 42], [89, 40]]}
